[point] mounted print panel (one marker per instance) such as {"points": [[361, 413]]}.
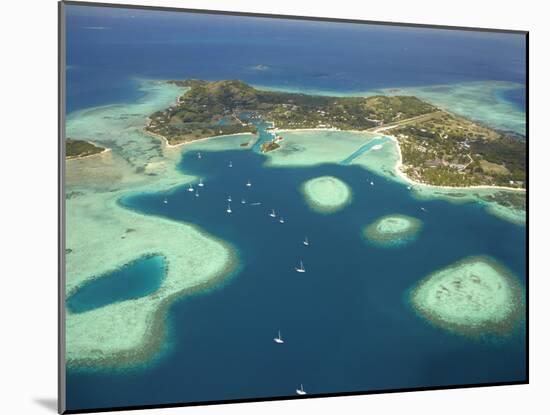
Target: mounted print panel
{"points": [[272, 207]]}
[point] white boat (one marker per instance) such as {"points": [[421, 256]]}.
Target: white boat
{"points": [[201, 184], [372, 183], [199, 155], [255, 203], [282, 220], [230, 164], [272, 214], [229, 198], [165, 201], [243, 201], [306, 242], [197, 193], [301, 268], [228, 208], [423, 209], [301, 391], [190, 189], [409, 187], [279, 339], [248, 184]]}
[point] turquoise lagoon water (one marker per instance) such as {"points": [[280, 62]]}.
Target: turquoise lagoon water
{"points": [[346, 322], [136, 279]]}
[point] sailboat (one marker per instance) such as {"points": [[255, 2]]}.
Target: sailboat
{"points": [[282, 220], [372, 183], [201, 184], [229, 198], [228, 208], [423, 209], [197, 193], [272, 214], [230, 164], [165, 201], [306, 242], [301, 269], [279, 339], [248, 184], [243, 201], [301, 391], [199, 155], [190, 188]]}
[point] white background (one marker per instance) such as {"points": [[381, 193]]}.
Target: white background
{"points": [[28, 228]]}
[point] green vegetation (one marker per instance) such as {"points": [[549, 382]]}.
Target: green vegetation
{"points": [[446, 150], [81, 148], [438, 148], [269, 146], [217, 108]]}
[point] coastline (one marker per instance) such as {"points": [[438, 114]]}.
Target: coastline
{"points": [[129, 333], [105, 150], [404, 176], [168, 145], [399, 164], [101, 220]]}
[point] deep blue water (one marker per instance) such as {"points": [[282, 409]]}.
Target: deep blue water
{"points": [[136, 279], [515, 96], [346, 321], [107, 48]]}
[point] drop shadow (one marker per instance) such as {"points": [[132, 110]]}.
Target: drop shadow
{"points": [[48, 403]]}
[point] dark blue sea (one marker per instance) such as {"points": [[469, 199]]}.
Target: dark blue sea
{"points": [[108, 49], [346, 322]]}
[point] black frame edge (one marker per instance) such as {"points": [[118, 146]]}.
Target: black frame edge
{"points": [[61, 90]]}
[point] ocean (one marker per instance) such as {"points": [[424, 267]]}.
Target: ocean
{"points": [[107, 49], [347, 322]]}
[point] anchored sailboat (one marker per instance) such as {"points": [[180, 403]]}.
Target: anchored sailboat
{"points": [[228, 208], [190, 189], [199, 155], [201, 184], [243, 201], [230, 164], [282, 220], [306, 242], [301, 391], [279, 339], [301, 268], [248, 184], [197, 193], [229, 198], [165, 201], [272, 214]]}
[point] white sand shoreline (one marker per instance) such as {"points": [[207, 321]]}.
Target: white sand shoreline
{"points": [[404, 176], [399, 164], [171, 146], [105, 150]]}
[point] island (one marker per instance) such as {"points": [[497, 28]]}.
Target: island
{"points": [[81, 148], [474, 297], [444, 149], [326, 194], [437, 147], [392, 230]]}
